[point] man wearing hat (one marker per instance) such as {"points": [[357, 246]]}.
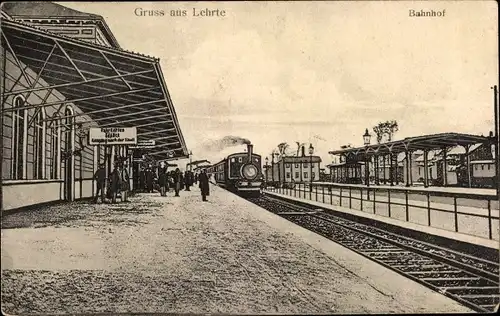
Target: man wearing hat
{"points": [[100, 177]]}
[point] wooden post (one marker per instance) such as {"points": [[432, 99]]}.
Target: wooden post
{"points": [[391, 169], [408, 170], [426, 169], [445, 167], [467, 163], [411, 167]]}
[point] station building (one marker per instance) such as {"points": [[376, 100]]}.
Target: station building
{"points": [[64, 72]]}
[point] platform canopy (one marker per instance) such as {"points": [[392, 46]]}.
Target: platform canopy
{"points": [[424, 142], [113, 87]]}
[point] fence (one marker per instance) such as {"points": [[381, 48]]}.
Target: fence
{"points": [[469, 213]]}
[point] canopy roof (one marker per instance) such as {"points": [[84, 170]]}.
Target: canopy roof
{"points": [[113, 87], [425, 142]]}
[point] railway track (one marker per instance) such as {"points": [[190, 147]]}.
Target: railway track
{"points": [[472, 281]]}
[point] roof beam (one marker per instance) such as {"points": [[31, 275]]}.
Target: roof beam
{"points": [[16, 59], [15, 82], [165, 137], [93, 65], [78, 99], [128, 114], [106, 110], [41, 70], [69, 84], [157, 131], [69, 59], [25, 40], [38, 109], [151, 124], [113, 67], [134, 120]]}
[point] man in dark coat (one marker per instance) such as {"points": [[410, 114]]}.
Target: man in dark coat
{"points": [[204, 187], [100, 177], [177, 181], [125, 182], [149, 180], [163, 181], [115, 179], [142, 180], [188, 180]]}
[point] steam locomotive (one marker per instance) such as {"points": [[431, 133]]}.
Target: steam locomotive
{"points": [[239, 173]]}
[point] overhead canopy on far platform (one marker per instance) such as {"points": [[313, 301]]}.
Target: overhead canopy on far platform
{"points": [[425, 142], [113, 87]]}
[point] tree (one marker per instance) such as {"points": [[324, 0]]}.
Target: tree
{"points": [[387, 129], [299, 146], [282, 147]]}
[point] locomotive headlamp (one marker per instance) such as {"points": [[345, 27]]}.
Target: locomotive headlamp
{"points": [[249, 172]]}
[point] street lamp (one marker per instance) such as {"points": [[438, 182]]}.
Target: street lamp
{"points": [[311, 152], [272, 166], [366, 140], [277, 161], [267, 171]]}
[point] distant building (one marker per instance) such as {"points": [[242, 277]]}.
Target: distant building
{"points": [[294, 169]]}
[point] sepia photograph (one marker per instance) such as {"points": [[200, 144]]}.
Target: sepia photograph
{"points": [[249, 157]]}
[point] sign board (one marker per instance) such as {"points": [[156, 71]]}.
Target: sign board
{"points": [[144, 144], [113, 136]]}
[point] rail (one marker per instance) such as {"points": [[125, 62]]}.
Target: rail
{"points": [[470, 211]]}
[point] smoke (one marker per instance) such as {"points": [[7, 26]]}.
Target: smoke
{"points": [[225, 142]]}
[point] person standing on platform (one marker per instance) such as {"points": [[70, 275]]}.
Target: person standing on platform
{"points": [[115, 180], [188, 180], [204, 187], [163, 181], [125, 182], [177, 181], [149, 180], [142, 180], [100, 177]]}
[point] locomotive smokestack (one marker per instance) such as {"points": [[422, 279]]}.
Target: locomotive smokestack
{"points": [[250, 151]]}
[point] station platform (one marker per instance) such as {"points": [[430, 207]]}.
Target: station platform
{"points": [[418, 225], [182, 255]]}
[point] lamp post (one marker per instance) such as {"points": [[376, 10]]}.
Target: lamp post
{"points": [[278, 162], [267, 172], [272, 166], [311, 151], [366, 141]]}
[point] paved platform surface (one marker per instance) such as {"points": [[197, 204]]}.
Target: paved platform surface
{"points": [[167, 254]]}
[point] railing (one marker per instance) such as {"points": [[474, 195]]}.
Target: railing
{"points": [[462, 212]]}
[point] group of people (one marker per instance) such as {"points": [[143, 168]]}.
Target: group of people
{"points": [[163, 181], [149, 181], [119, 182]]}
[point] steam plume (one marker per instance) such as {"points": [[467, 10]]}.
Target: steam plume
{"points": [[225, 142]]}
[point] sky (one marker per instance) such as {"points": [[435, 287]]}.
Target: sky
{"points": [[318, 72]]}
